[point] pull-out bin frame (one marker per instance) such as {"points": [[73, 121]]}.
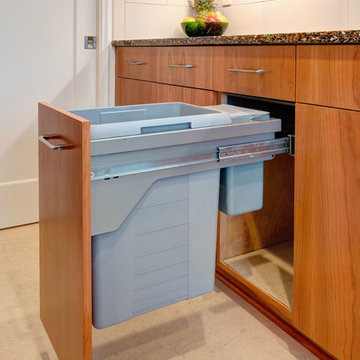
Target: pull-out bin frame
{"points": [[65, 203]]}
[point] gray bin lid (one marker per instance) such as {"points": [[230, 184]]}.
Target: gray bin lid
{"points": [[238, 113]]}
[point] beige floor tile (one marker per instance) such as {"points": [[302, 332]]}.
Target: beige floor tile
{"points": [[215, 326]]}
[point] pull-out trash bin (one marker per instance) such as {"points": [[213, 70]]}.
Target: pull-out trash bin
{"points": [[155, 197]]}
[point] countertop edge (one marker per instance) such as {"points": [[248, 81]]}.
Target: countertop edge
{"points": [[303, 38]]}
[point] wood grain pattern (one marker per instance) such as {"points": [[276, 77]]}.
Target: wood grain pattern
{"points": [[170, 93], [65, 235], [131, 92], [278, 81], [329, 75], [200, 57], [278, 320], [145, 71], [327, 228], [270, 225]]}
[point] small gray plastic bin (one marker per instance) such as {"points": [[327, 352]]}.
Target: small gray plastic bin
{"points": [[241, 188], [164, 252]]}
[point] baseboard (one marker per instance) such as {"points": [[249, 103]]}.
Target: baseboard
{"points": [[19, 202]]}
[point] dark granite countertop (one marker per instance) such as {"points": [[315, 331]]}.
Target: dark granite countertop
{"points": [[325, 37]]}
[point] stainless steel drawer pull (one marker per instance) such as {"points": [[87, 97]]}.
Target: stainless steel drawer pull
{"points": [[248, 71], [134, 62], [44, 139], [180, 66]]}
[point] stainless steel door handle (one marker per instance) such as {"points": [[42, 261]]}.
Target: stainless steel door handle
{"points": [[180, 66], [44, 139], [134, 62], [260, 71]]}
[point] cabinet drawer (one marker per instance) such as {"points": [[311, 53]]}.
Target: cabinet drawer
{"points": [[136, 62], [188, 66], [171, 93], [265, 71], [329, 75], [132, 92]]}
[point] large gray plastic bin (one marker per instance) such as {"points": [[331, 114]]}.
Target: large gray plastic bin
{"points": [[163, 253]]}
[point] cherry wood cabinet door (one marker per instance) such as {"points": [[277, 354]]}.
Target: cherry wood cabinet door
{"points": [[327, 228], [65, 234], [132, 92], [329, 75]]}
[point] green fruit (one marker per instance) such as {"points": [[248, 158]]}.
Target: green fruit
{"points": [[192, 28]]}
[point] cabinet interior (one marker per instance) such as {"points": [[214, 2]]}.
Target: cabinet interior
{"points": [[258, 246]]}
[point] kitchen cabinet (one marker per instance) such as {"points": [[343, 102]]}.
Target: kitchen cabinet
{"points": [[327, 228], [329, 76], [308, 227], [322, 276]]}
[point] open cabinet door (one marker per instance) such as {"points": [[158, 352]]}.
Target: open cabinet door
{"points": [[65, 233]]}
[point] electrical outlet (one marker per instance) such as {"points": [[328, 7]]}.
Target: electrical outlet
{"points": [[90, 42]]}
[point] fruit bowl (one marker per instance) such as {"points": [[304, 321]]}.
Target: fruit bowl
{"points": [[195, 28]]}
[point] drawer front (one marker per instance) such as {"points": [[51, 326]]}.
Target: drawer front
{"points": [[264, 71], [329, 75], [136, 62], [171, 93], [132, 92], [188, 66]]}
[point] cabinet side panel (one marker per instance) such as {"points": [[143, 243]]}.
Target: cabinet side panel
{"points": [[327, 228], [65, 240]]}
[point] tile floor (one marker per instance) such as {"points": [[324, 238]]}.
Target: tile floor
{"points": [[216, 326]]}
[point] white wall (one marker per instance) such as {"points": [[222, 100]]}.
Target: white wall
{"points": [[136, 19], [42, 59]]}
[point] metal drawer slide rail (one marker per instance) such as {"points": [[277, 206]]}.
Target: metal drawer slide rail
{"points": [[126, 182], [224, 154], [252, 151]]}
